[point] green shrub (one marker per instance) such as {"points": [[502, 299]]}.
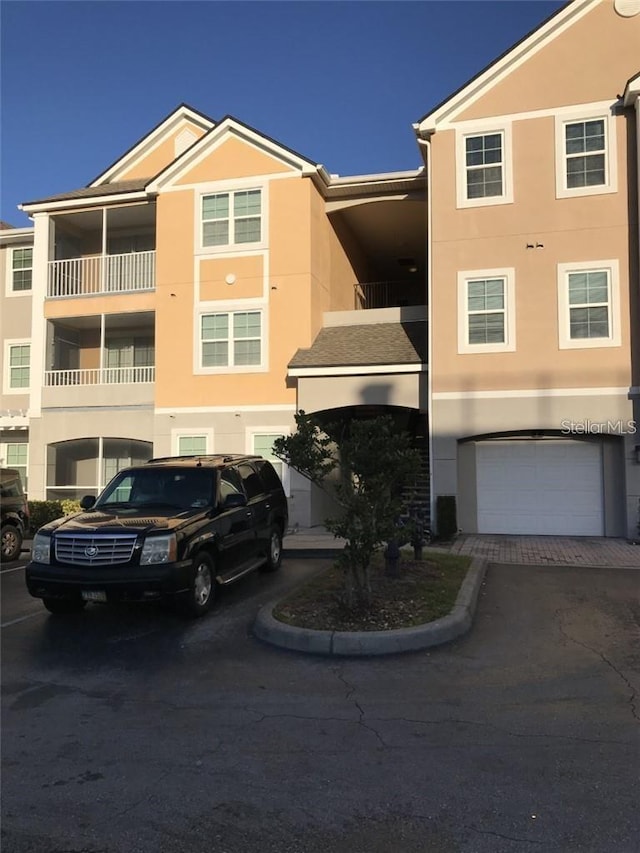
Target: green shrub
{"points": [[446, 516], [69, 507], [42, 512]]}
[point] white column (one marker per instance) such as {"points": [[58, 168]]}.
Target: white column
{"points": [[43, 249]]}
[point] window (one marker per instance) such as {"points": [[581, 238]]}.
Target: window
{"points": [[260, 441], [192, 442], [585, 153], [588, 305], [16, 456], [19, 366], [233, 218], [483, 166], [483, 159], [231, 339], [192, 445], [486, 311], [21, 269]]}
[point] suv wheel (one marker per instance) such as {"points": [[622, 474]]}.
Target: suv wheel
{"points": [[64, 605], [11, 539], [199, 598], [274, 557]]}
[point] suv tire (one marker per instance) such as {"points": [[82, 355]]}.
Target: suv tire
{"points": [[274, 555], [11, 540], [198, 599]]}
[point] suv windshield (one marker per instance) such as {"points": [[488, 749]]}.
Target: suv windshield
{"points": [[183, 488]]}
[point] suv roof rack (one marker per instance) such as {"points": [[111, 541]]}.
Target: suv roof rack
{"points": [[211, 458]]}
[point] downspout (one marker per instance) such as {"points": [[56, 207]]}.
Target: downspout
{"points": [[425, 150]]}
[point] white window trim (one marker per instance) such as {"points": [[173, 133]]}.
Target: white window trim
{"points": [[610, 159], [464, 277], [230, 187], [231, 308], [8, 344], [4, 455], [177, 434], [9, 291], [503, 128], [251, 432], [565, 341]]}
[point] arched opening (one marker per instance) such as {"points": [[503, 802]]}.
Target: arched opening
{"points": [[84, 466]]}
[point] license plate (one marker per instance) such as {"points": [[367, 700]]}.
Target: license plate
{"points": [[94, 595]]}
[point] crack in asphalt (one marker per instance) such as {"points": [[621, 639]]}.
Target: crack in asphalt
{"points": [[509, 837], [632, 698]]}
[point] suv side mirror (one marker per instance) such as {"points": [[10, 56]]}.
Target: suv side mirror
{"points": [[235, 499], [87, 502]]}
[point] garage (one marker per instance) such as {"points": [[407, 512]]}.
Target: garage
{"points": [[544, 487]]}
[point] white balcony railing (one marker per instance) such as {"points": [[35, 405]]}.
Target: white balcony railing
{"points": [[102, 274], [99, 376]]}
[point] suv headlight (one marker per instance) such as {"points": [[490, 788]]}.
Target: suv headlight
{"points": [[158, 549], [41, 549]]}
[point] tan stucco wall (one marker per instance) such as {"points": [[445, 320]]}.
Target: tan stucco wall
{"points": [[116, 303], [570, 230], [248, 272], [591, 61], [318, 393], [233, 158], [151, 164]]}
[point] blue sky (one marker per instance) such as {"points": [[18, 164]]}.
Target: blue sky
{"points": [[340, 82]]}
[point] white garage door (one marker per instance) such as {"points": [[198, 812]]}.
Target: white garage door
{"points": [[540, 487]]}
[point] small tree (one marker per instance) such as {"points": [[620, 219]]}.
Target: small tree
{"points": [[364, 465]]}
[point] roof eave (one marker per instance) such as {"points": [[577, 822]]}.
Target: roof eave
{"points": [[45, 206]]}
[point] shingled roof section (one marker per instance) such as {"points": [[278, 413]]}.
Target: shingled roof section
{"points": [[102, 189], [371, 343]]}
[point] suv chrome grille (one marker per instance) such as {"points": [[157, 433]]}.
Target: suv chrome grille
{"points": [[95, 549]]}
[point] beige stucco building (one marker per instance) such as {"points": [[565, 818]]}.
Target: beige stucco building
{"points": [[211, 282]]}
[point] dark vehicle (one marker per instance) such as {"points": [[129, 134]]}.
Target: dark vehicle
{"points": [[15, 514], [171, 528]]}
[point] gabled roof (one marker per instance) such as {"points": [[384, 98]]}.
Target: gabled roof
{"points": [[182, 113], [230, 126], [482, 82], [364, 345]]}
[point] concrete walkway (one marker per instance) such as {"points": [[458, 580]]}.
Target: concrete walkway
{"points": [[525, 550], [549, 550]]}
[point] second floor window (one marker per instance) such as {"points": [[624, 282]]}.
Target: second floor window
{"points": [[19, 366], [585, 153], [21, 269], [484, 165], [231, 339], [230, 219]]}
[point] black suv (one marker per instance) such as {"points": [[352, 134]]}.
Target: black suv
{"points": [[15, 514], [170, 528]]}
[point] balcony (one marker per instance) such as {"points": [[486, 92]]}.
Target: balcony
{"points": [[99, 376], [389, 294], [100, 360], [131, 272]]}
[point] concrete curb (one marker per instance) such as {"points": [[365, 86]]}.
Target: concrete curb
{"points": [[364, 643]]}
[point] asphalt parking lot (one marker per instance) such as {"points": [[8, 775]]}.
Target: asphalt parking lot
{"points": [[126, 730]]}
